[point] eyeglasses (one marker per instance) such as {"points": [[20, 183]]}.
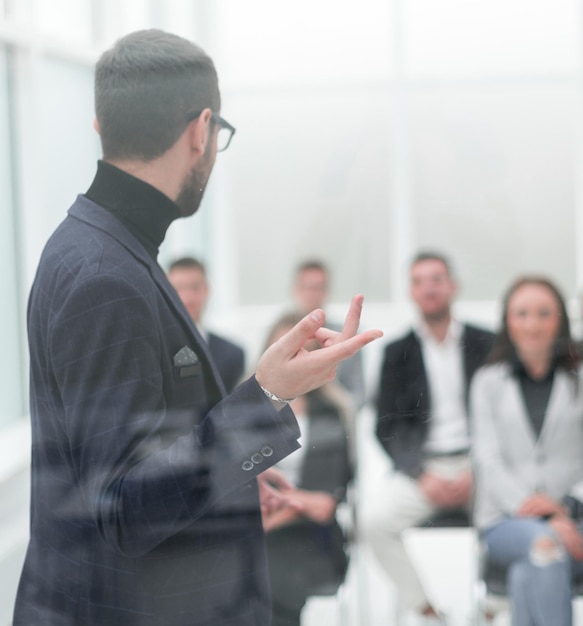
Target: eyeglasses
{"points": [[226, 131]]}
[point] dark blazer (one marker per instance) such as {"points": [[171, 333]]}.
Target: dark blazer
{"points": [[306, 558], [228, 358], [144, 505], [404, 403]]}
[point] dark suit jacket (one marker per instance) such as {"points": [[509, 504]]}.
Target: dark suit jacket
{"points": [[404, 403], [229, 359], [306, 558], [144, 506]]}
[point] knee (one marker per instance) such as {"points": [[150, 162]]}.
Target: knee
{"points": [[375, 525], [546, 550]]}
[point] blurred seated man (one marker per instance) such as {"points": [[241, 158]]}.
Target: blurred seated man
{"points": [[305, 543], [310, 291], [422, 424], [188, 276]]}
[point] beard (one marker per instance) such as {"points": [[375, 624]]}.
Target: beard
{"points": [[192, 190], [437, 316]]}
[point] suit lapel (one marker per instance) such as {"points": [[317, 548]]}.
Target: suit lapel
{"points": [[467, 360], [98, 217], [418, 373], [517, 406], [556, 406]]}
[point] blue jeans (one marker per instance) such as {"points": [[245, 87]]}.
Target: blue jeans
{"points": [[539, 584]]}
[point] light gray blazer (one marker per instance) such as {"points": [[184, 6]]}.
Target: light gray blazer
{"points": [[510, 462]]}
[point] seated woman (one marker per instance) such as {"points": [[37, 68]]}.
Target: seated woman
{"points": [[305, 544], [527, 439]]}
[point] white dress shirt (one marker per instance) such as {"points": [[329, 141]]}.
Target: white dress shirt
{"points": [[448, 428]]}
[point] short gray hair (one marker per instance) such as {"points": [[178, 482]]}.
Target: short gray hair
{"points": [[146, 86]]}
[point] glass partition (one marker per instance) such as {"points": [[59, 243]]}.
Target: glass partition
{"points": [[12, 389]]}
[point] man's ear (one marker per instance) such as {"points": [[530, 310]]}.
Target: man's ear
{"points": [[199, 131], [96, 125]]}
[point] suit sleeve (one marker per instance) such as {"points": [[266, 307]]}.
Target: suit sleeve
{"points": [[492, 474], [138, 485], [397, 427]]}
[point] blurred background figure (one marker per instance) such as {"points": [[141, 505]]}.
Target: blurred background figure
{"points": [[305, 543], [422, 424], [527, 442], [310, 291], [188, 276]]}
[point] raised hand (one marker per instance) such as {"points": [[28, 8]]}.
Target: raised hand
{"points": [[287, 369]]}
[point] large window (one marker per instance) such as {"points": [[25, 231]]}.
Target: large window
{"points": [[402, 125], [494, 179], [310, 179], [11, 374]]}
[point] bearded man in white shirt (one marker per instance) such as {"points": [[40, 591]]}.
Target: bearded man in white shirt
{"points": [[422, 424]]}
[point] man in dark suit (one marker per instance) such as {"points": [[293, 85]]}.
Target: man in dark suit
{"points": [[422, 424], [145, 504], [188, 276]]}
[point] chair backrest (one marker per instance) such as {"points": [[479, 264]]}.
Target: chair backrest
{"points": [[454, 518]]}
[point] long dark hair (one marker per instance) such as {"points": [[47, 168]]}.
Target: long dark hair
{"points": [[565, 351]]}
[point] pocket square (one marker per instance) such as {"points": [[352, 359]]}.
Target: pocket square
{"points": [[187, 361]]}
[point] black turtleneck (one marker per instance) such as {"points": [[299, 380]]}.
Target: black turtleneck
{"points": [[142, 209]]}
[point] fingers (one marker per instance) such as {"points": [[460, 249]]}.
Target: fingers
{"points": [[569, 535], [352, 321], [337, 352], [276, 478], [522, 511], [538, 504], [312, 326], [325, 336], [271, 500], [293, 341], [527, 507], [289, 369], [528, 511]]}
